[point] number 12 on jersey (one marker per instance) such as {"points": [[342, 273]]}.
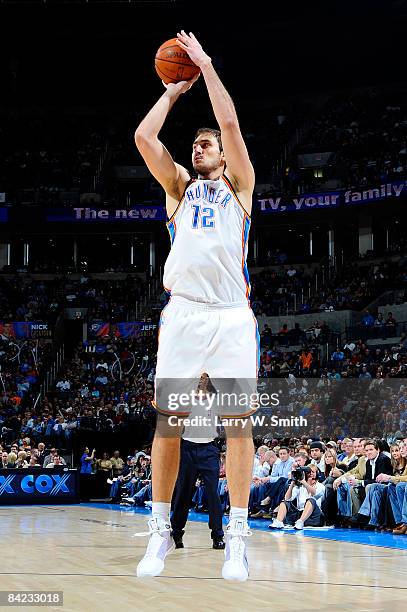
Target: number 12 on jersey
{"points": [[202, 217]]}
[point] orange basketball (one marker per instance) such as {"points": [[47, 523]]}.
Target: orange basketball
{"points": [[173, 63]]}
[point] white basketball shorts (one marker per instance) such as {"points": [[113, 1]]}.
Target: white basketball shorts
{"points": [[197, 338]]}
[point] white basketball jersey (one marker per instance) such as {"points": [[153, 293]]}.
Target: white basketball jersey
{"points": [[209, 233]]}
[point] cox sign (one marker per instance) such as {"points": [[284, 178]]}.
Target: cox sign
{"points": [[36, 487]]}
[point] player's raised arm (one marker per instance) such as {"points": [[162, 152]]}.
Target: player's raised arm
{"points": [[171, 176], [238, 165]]}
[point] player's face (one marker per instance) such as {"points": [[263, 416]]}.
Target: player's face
{"points": [[206, 155]]}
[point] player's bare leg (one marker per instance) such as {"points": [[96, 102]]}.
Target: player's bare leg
{"points": [[165, 464], [239, 467]]}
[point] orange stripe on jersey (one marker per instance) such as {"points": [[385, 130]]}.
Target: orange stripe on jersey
{"points": [[175, 211], [246, 224], [229, 184], [256, 331], [158, 338], [181, 200]]}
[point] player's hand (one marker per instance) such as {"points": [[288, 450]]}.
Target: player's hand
{"points": [[190, 44], [176, 89]]}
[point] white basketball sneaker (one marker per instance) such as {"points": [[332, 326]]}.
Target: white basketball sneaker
{"points": [[236, 566], [160, 545]]}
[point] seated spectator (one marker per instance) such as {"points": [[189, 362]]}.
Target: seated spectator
{"points": [[56, 463], [397, 493], [337, 357], [390, 320], [391, 324], [50, 458], [372, 513], [344, 448], [317, 450], [272, 489], [301, 506], [367, 319], [33, 463], [21, 460], [266, 335], [119, 481], [349, 346], [263, 462], [306, 360], [12, 460], [379, 321], [41, 453], [5, 462], [333, 469], [349, 459], [351, 491], [63, 385]]}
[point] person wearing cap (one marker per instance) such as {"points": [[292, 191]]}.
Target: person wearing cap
{"points": [[317, 450]]}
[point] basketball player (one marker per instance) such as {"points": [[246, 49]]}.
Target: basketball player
{"points": [[208, 325]]}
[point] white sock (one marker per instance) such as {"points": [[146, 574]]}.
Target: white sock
{"points": [[161, 510], [238, 513]]}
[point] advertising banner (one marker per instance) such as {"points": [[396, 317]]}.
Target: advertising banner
{"points": [[94, 215], [128, 329], [332, 199], [38, 486], [25, 329]]}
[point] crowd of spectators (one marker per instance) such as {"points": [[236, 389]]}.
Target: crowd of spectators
{"points": [[23, 365], [300, 290], [347, 482], [311, 482], [107, 386], [24, 299], [43, 157], [367, 135]]}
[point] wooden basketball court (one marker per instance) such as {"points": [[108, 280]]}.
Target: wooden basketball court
{"points": [[87, 552]]}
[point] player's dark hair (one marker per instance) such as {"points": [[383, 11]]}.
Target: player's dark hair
{"points": [[213, 132]]}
